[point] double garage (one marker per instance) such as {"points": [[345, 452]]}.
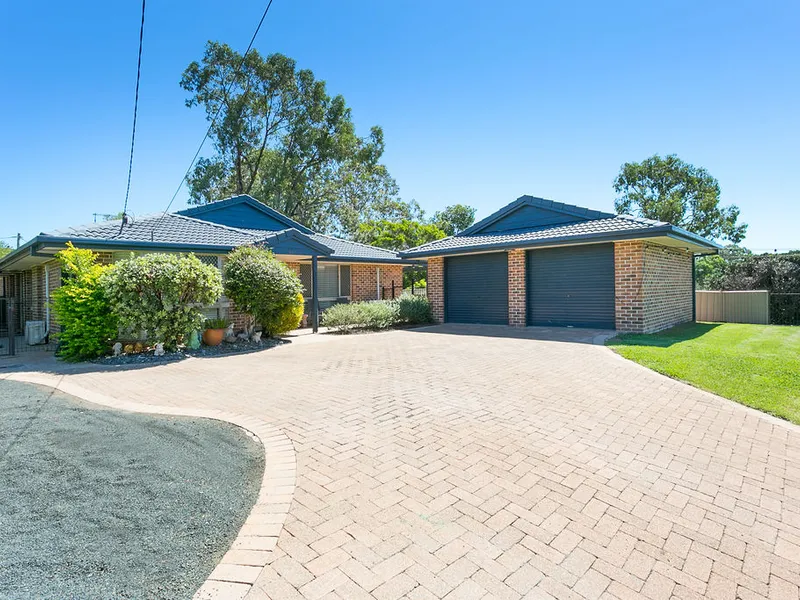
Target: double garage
{"points": [[565, 286]]}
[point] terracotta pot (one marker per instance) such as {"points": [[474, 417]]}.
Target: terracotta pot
{"points": [[213, 337]]}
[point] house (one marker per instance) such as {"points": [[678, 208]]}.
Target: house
{"points": [[331, 269], [539, 262]]}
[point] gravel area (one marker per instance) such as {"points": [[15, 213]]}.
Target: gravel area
{"points": [[225, 348], [96, 503]]}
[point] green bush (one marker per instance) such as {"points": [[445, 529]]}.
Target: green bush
{"points": [[264, 288], [161, 294], [414, 309], [379, 314], [81, 307], [342, 317], [286, 320]]}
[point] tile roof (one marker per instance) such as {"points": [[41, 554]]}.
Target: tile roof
{"points": [[163, 228], [346, 249], [174, 228], [595, 227]]}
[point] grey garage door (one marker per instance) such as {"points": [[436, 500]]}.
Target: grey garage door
{"points": [[476, 288], [571, 286]]}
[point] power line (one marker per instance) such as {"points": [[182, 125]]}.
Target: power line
{"points": [[135, 114], [216, 114]]}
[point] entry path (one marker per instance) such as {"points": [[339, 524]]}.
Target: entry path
{"points": [[436, 463]]}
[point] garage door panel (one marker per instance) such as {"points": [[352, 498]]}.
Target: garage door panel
{"points": [[476, 289], [571, 286]]}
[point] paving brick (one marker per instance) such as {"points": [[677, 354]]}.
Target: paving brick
{"points": [[504, 463]]}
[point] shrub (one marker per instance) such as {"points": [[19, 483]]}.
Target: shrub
{"points": [[161, 294], [379, 314], [287, 319], [342, 317], [264, 288], [414, 309], [81, 307]]}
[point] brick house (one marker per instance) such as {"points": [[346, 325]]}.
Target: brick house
{"points": [[539, 262], [339, 270]]}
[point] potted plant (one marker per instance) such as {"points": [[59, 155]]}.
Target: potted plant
{"points": [[214, 331]]}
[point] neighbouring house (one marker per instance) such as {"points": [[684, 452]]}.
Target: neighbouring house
{"points": [[539, 262], [337, 270]]}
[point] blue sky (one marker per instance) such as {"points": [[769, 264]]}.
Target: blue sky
{"points": [[480, 102]]}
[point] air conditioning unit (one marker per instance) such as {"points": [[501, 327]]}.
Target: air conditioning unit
{"points": [[35, 332]]}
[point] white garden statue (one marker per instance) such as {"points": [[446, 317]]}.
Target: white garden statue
{"points": [[117, 348], [159, 351], [256, 337]]}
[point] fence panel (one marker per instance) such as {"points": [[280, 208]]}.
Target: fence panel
{"points": [[751, 306]]}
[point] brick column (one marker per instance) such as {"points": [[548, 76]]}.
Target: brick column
{"points": [[517, 314], [629, 285], [435, 281]]}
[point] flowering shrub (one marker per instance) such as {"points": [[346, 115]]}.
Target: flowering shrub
{"points": [[264, 288], [161, 294], [81, 307]]}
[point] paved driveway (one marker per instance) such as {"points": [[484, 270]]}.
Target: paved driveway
{"points": [[438, 464]]}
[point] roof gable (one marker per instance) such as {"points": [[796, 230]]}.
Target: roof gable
{"points": [[528, 212], [244, 212]]}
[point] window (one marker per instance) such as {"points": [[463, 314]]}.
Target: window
{"points": [[209, 259], [334, 281]]}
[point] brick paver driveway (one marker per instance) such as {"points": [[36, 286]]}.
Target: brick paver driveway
{"points": [[432, 464]]}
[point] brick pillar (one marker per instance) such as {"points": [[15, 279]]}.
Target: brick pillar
{"points": [[629, 285], [517, 315], [435, 281]]}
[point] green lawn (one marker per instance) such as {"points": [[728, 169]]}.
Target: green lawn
{"points": [[756, 365]]}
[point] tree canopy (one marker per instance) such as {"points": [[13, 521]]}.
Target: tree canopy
{"points": [[454, 219], [397, 235], [4, 249], [669, 189], [280, 137]]}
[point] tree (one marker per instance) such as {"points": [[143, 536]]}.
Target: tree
{"points": [[454, 219], [4, 249], [711, 271], [668, 189], [264, 288], [397, 235], [281, 138]]}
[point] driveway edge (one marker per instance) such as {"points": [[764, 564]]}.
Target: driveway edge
{"points": [[239, 568], [716, 397]]}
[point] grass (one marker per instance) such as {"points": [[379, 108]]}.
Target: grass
{"points": [[756, 365]]}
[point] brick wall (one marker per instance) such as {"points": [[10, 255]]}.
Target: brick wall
{"points": [[435, 282], [54, 281], [653, 286], [517, 315], [364, 280]]}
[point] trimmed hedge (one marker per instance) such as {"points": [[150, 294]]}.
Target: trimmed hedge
{"points": [[378, 314], [264, 288], [161, 294]]}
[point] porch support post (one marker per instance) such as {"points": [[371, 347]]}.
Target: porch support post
{"points": [[314, 295]]}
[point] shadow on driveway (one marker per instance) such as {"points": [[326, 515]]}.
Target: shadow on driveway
{"points": [[575, 335]]}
